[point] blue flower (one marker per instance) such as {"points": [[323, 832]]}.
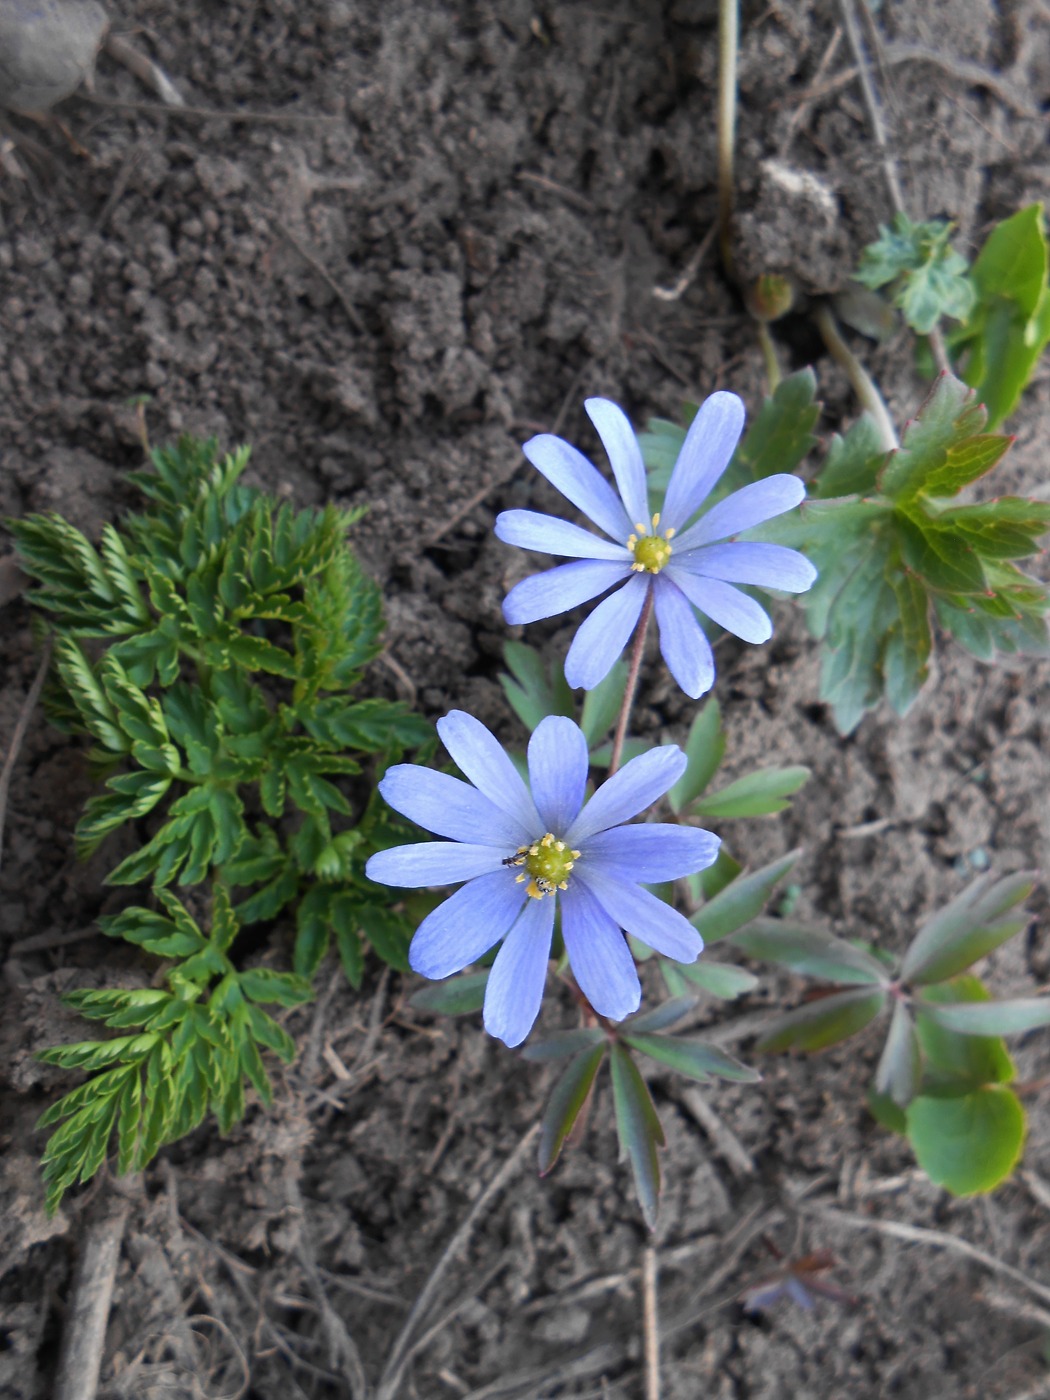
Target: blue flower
{"points": [[645, 555], [520, 847]]}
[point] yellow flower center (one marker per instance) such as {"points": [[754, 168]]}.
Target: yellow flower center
{"points": [[547, 864], [651, 550]]}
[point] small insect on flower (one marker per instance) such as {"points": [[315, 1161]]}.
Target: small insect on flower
{"points": [[525, 850], [654, 555]]}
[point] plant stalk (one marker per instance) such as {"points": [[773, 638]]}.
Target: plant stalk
{"points": [[728, 43], [637, 651], [863, 385]]}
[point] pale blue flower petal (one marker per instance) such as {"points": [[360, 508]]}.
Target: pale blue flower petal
{"points": [[458, 932], [528, 529], [636, 786], [683, 645], [761, 565], [559, 589], [625, 456], [481, 758], [579, 482], [651, 852], [433, 863], [649, 919], [600, 958], [451, 808], [558, 764], [519, 974], [751, 505], [705, 454], [602, 636], [726, 605]]}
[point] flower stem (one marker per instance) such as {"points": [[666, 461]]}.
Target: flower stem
{"points": [[632, 682]]}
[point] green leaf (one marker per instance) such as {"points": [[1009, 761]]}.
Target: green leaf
{"points": [[858, 620], [953, 1062], [944, 447], [742, 900], [897, 1076], [638, 1126], [707, 883], [823, 1022], [693, 1058], [993, 1017], [927, 275], [1010, 325], [977, 921], [460, 996], [561, 1046], [602, 705], [534, 688], [908, 643], [720, 980], [571, 1093], [757, 794], [659, 1017], [387, 934], [853, 462], [968, 1144], [780, 436], [810, 952], [263, 984], [704, 750]]}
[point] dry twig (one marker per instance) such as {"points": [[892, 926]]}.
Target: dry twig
{"points": [[22, 724], [939, 1239], [390, 1382], [651, 1324], [84, 1337]]}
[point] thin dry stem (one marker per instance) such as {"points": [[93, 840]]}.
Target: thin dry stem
{"points": [[84, 1338], [637, 652], [17, 738], [389, 1387], [651, 1324]]}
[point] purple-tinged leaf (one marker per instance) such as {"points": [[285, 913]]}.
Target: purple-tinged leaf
{"points": [[971, 926], [639, 1128], [567, 1101], [558, 1047], [823, 1022], [992, 1017], [692, 1058], [809, 952], [660, 1017], [897, 1076], [721, 980], [741, 900]]}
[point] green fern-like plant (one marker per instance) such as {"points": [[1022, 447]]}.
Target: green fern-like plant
{"points": [[212, 648]]}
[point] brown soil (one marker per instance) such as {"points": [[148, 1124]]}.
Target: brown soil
{"points": [[445, 234]]}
